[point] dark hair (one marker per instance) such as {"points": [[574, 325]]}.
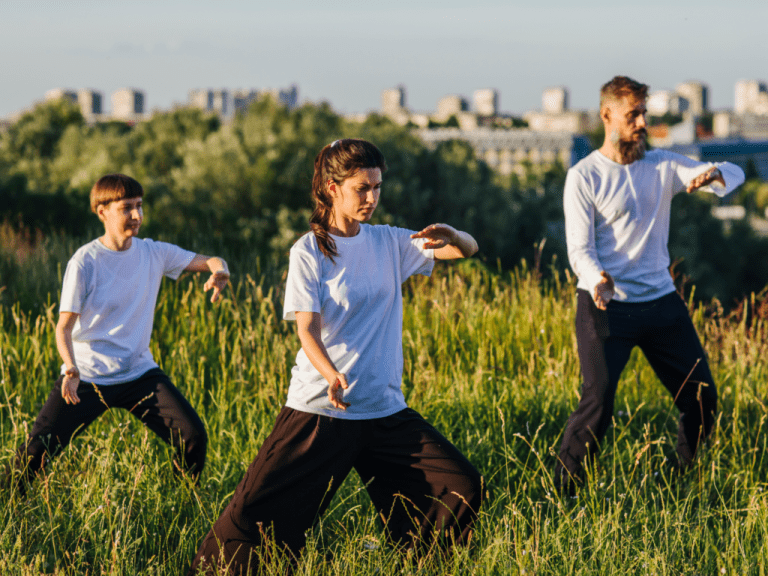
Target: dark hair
{"points": [[621, 86], [114, 187], [337, 161]]}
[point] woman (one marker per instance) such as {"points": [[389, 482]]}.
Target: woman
{"points": [[345, 408]]}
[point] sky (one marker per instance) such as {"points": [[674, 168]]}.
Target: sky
{"points": [[346, 52]]}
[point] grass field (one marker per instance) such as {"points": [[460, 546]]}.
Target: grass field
{"points": [[490, 359]]}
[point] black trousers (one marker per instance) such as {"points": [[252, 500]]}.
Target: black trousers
{"points": [[418, 481], [151, 398], [664, 332]]}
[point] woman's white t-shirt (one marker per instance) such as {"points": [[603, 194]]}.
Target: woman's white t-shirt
{"points": [[359, 297], [115, 293]]}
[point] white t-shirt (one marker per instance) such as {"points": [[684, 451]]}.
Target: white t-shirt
{"points": [[359, 298], [617, 218], [115, 295]]}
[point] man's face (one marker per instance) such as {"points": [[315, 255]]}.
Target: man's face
{"points": [[626, 126]]}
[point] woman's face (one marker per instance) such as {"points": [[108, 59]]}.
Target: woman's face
{"points": [[357, 196]]}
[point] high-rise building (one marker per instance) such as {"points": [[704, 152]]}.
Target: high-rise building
{"points": [[486, 102], [127, 103], [697, 95], [751, 97], [662, 102], [90, 102], [554, 100], [451, 105], [210, 100], [242, 99], [61, 94], [393, 101]]}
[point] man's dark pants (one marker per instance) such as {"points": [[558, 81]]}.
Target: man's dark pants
{"points": [[151, 398], [664, 332]]}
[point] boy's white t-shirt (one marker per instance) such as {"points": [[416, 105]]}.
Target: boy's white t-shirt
{"points": [[359, 297], [115, 293]]}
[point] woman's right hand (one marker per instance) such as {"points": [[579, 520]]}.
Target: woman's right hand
{"points": [[69, 386], [336, 391]]}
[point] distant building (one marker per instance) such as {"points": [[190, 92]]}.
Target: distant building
{"points": [[554, 100], [90, 103], [516, 150], [749, 126], [61, 94], [663, 102], [210, 100], [242, 99], [751, 97], [697, 95], [556, 117], [393, 101], [486, 102], [88, 100], [451, 105], [288, 97], [128, 104]]}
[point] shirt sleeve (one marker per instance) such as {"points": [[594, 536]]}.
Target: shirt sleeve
{"points": [[175, 259], [74, 288], [687, 169], [303, 286], [414, 258], [579, 209]]}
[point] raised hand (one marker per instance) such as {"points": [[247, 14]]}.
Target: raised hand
{"points": [[438, 235], [711, 175]]}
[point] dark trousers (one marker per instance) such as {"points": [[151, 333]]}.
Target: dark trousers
{"points": [[418, 481], [151, 398], [664, 332]]}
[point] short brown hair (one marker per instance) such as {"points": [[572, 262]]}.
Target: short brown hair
{"points": [[114, 187], [621, 86]]}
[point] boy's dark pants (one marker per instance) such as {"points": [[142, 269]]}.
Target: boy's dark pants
{"points": [[418, 481], [152, 398], [664, 332]]}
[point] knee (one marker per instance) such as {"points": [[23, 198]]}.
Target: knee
{"points": [[471, 491]]}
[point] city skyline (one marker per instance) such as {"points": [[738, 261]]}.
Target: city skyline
{"points": [[346, 53]]}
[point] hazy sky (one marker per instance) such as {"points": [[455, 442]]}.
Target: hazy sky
{"points": [[347, 52]]}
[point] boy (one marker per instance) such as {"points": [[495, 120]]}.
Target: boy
{"points": [[106, 312]]}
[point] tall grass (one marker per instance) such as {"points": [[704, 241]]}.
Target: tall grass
{"points": [[490, 359]]}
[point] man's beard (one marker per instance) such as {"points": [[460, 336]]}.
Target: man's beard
{"points": [[630, 150]]}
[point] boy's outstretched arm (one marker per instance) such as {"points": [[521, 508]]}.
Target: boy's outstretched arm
{"points": [[218, 269], [67, 352]]}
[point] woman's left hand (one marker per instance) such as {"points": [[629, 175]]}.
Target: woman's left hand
{"points": [[438, 235]]}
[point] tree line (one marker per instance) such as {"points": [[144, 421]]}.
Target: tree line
{"points": [[244, 185]]}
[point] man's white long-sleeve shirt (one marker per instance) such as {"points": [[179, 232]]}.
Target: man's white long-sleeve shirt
{"points": [[617, 218]]}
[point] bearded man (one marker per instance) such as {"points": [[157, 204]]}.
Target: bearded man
{"points": [[617, 204]]}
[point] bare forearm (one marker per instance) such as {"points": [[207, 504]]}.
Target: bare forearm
{"points": [[315, 350], [217, 264], [212, 264], [64, 339], [465, 243], [462, 245]]}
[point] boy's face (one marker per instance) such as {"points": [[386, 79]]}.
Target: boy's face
{"points": [[122, 218]]}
